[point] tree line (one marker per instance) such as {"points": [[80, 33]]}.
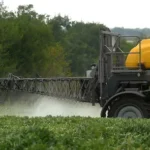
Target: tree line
{"points": [[34, 44]]}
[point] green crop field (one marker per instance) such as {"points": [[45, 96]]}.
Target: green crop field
{"points": [[73, 133]]}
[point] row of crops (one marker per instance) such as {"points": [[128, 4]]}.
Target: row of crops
{"points": [[73, 133]]}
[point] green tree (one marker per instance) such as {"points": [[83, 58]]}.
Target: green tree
{"points": [[24, 43], [55, 62], [82, 45], [126, 46]]}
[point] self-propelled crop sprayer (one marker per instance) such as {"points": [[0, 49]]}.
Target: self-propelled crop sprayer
{"points": [[120, 82]]}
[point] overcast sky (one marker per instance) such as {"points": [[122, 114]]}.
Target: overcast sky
{"points": [[112, 13]]}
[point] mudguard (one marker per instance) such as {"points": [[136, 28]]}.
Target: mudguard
{"points": [[133, 93]]}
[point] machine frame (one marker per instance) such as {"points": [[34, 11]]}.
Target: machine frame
{"points": [[123, 92]]}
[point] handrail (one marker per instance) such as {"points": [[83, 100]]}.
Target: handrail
{"points": [[122, 52], [118, 37]]}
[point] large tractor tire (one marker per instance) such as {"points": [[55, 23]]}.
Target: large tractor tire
{"points": [[129, 107]]}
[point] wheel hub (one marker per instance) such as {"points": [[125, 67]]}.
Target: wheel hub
{"points": [[129, 112]]}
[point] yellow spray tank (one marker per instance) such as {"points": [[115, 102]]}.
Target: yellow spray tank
{"points": [[132, 61]]}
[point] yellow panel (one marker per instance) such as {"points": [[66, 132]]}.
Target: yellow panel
{"points": [[132, 60]]}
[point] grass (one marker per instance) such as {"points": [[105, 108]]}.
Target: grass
{"points": [[73, 133]]}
